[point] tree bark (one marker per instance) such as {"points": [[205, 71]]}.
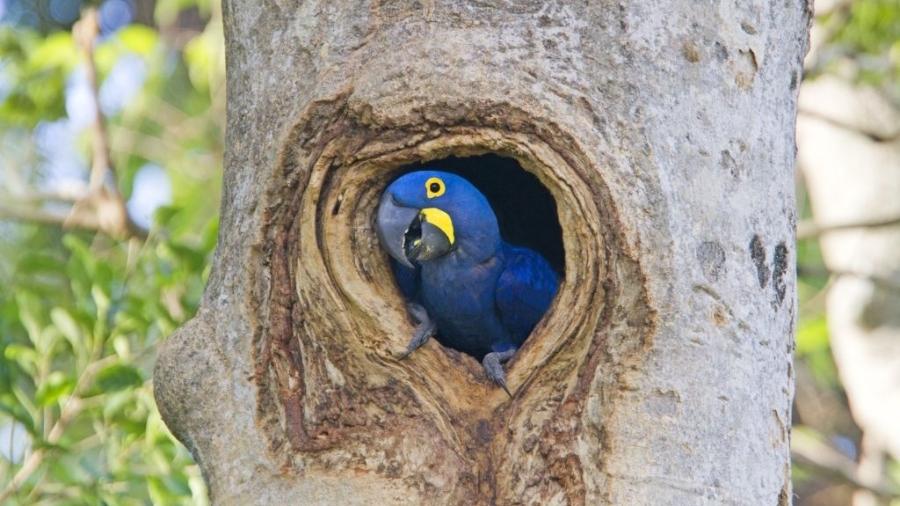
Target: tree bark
{"points": [[662, 373]]}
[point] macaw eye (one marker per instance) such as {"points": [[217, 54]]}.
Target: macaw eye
{"points": [[434, 187]]}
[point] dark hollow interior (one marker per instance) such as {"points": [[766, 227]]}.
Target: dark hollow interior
{"points": [[524, 207]]}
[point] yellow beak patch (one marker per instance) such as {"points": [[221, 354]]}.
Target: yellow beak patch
{"points": [[441, 220]]}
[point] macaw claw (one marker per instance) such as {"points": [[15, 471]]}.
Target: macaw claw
{"points": [[493, 367], [425, 329]]}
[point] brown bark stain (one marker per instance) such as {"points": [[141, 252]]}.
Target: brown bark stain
{"points": [[719, 316], [557, 440], [690, 51], [745, 68]]}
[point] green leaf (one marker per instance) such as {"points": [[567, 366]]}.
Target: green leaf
{"points": [[37, 263], [68, 326], [25, 400], [81, 252], [122, 347], [157, 491], [57, 385], [69, 470], [164, 214], [29, 309], [118, 450], [101, 300], [205, 58], [812, 336], [18, 412], [138, 39], [167, 11], [116, 403], [57, 50], [25, 356], [118, 377]]}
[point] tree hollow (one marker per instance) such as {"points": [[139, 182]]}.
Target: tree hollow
{"points": [[325, 358]]}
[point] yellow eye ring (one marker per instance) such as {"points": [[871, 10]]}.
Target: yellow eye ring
{"points": [[434, 187]]}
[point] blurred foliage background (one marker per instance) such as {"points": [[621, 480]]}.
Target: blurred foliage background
{"points": [[84, 302], [110, 174]]}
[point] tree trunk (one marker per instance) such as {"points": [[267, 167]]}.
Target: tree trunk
{"points": [[662, 373]]}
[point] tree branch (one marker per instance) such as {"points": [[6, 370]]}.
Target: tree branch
{"points": [[30, 215], [808, 229], [837, 123], [102, 207], [809, 451], [883, 282], [85, 32]]}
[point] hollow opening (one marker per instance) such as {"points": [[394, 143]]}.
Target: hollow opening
{"points": [[525, 209]]}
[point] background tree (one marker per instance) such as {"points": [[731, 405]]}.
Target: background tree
{"points": [[848, 137]]}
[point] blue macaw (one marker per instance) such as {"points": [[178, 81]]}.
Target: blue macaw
{"points": [[463, 283]]}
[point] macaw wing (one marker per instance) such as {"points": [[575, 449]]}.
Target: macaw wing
{"points": [[525, 289]]}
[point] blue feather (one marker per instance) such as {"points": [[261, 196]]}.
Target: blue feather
{"points": [[407, 281], [524, 292]]}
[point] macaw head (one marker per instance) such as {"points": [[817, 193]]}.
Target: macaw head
{"points": [[427, 214]]}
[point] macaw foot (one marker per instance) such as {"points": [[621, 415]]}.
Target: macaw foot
{"points": [[425, 328], [493, 367]]}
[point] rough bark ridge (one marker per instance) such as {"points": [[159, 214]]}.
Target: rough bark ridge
{"points": [[661, 375]]}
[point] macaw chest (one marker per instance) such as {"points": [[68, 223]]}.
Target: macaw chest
{"points": [[462, 302]]}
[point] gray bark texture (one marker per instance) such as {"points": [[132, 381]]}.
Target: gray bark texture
{"points": [[662, 373]]}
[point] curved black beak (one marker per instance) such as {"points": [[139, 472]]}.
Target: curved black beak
{"points": [[408, 234], [424, 241]]}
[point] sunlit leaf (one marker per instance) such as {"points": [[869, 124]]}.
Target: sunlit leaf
{"points": [[29, 309], [67, 325], [58, 50], [205, 58], [101, 300], [57, 385], [812, 336], [167, 10], [122, 347], [25, 356], [138, 39]]}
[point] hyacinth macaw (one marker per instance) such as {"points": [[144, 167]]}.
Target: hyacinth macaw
{"points": [[463, 283]]}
